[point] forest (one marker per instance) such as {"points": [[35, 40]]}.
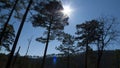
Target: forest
{"points": [[110, 59], [84, 48]]}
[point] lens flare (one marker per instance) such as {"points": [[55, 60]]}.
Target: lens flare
{"points": [[67, 10]]}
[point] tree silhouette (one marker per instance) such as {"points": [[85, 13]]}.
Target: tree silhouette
{"points": [[107, 33], [86, 35], [7, 5], [8, 37], [17, 36], [50, 17], [67, 46], [99, 32]]}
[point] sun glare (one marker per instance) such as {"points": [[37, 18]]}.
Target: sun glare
{"points": [[67, 10]]}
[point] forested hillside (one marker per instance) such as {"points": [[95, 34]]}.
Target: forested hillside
{"points": [[110, 59]]}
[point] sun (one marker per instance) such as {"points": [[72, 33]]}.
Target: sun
{"points": [[67, 10]]}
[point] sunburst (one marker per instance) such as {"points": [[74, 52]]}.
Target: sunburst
{"points": [[67, 10]]}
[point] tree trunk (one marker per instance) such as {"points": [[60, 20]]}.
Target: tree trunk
{"points": [[99, 58], [5, 25], [15, 58], [68, 62], [29, 42], [17, 37], [46, 46], [86, 56], [117, 60]]}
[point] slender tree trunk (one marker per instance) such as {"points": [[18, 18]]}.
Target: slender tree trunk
{"points": [[117, 59], [17, 37], [46, 46], [100, 51], [99, 59], [86, 56], [5, 25], [68, 62], [15, 58], [29, 42]]}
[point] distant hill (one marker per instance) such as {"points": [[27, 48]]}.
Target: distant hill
{"points": [[110, 59]]}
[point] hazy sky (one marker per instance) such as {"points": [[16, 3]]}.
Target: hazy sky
{"points": [[84, 10]]}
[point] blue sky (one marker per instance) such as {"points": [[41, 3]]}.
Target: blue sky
{"points": [[84, 10]]}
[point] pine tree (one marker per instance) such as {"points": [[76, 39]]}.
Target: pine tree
{"points": [[67, 46], [8, 65], [86, 34], [50, 17]]}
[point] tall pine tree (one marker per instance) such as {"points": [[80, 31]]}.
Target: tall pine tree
{"points": [[49, 16]]}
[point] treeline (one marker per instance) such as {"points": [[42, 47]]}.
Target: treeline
{"points": [[110, 59]]}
